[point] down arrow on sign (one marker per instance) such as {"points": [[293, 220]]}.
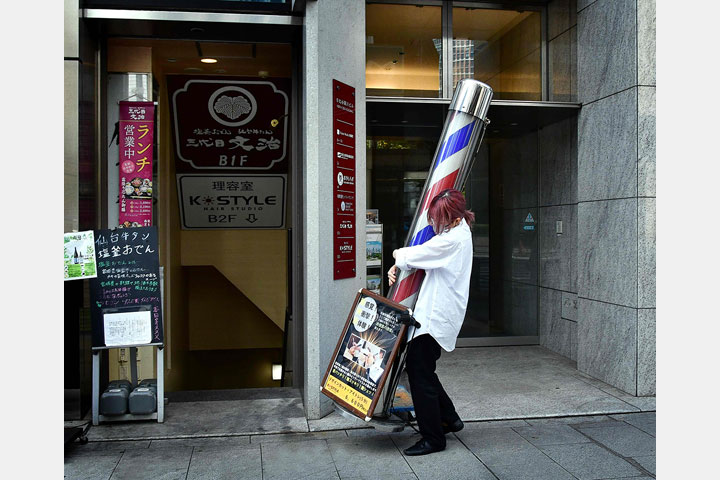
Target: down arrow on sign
{"points": [[251, 218]]}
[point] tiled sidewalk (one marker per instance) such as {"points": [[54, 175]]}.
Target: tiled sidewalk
{"points": [[485, 383], [529, 413], [584, 447]]}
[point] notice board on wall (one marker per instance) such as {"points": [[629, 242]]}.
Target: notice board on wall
{"points": [[126, 305], [368, 345], [344, 201]]}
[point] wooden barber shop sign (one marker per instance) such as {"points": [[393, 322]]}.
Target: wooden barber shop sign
{"points": [[367, 348]]}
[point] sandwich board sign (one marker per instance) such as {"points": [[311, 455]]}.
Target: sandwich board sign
{"points": [[368, 345]]}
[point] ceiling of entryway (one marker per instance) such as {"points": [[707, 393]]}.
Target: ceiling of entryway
{"points": [[242, 59]]}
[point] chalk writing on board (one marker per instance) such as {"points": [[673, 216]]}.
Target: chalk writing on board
{"points": [[128, 278]]}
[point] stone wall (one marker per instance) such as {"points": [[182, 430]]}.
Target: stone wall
{"points": [[558, 199], [616, 193]]}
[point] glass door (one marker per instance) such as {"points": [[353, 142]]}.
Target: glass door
{"points": [[501, 191]]}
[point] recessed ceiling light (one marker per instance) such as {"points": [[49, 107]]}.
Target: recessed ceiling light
{"points": [[193, 69], [208, 60], [172, 60]]}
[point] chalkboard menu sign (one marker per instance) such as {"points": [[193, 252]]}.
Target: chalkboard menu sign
{"points": [[126, 306], [367, 348]]}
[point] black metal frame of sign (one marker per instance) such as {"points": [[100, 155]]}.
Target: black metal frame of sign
{"points": [[364, 355]]}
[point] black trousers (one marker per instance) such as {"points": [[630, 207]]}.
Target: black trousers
{"points": [[432, 404]]}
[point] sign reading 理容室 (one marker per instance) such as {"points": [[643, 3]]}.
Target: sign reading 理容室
{"points": [[80, 255], [232, 201]]}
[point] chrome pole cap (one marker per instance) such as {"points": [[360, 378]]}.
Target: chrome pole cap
{"points": [[472, 97]]}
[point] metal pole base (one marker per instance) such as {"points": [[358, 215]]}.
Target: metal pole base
{"points": [[345, 413], [385, 423], [391, 423]]}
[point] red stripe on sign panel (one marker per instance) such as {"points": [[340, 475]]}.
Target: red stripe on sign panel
{"points": [[344, 208]]}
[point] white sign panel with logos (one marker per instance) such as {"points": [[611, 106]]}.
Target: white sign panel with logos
{"points": [[232, 201]]}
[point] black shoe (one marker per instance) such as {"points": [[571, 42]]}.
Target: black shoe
{"points": [[422, 448], [455, 426]]}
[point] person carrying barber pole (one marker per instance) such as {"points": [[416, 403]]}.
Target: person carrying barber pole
{"points": [[442, 300]]}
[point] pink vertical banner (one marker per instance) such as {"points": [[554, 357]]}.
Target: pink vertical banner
{"points": [[136, 163]]}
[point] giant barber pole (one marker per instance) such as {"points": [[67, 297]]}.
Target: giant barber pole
{"points": [[461, 137], [348, 378]]}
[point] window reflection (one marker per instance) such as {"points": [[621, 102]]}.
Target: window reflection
{"points": [[501, 48], [404, 50]]}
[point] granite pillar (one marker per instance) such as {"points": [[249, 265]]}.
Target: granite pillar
{"points": [[557, 179], [562, 50], [616, 193], [334, 39]]}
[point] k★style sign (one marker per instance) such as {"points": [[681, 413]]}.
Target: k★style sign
{"points": [[231, 201], [230, 123]]}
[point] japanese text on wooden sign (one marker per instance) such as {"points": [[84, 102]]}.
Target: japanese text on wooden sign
{"points": [[344, 211]]}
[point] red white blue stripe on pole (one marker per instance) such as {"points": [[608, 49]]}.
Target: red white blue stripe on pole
{"points": [[457, 142], [462, 134]]}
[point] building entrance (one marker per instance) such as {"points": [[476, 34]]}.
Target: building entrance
{"points": [[223, 186], [502, 191]]}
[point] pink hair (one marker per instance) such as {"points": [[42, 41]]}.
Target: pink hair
{"points": [[445, 208]]}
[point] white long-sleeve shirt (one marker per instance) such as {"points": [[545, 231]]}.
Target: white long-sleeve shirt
{"points": [[447, 260]]}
